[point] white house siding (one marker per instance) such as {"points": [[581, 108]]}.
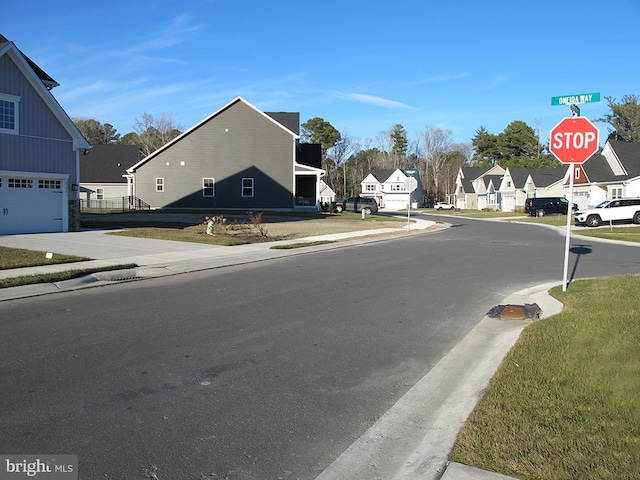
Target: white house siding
{"points": [[396, 202], [33, 209], [508, 202]]}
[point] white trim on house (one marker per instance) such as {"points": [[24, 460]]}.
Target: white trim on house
{"points": [[390, 193], [133, 168], [79, 142]]}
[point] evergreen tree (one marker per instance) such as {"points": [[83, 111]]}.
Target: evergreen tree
{"points": [[624, 119]]}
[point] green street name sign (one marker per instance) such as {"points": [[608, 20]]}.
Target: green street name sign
{"points": [[410, 171], [576, 99]]}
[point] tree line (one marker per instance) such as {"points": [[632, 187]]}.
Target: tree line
{"points": [[149, 132], [431, 152]]}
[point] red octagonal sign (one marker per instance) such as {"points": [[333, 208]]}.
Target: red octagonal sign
{"points": [[574, 140]]}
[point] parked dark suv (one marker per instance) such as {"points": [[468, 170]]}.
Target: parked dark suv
{"points": [[357, 204], [539, 207]]}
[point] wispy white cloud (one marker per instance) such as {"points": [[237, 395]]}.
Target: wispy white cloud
{"points": [[178, 31], [371, 100], [442, 78], [497, 82]]}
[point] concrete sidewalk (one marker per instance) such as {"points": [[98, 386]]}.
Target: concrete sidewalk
{"points": [[407, 442], [157, 257]]}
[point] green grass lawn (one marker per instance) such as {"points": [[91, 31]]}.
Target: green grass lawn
{"points": [[564, 403], [18, 258], [53, 277], [627, 234]]}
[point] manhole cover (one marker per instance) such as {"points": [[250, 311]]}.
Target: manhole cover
{"points": [[516, 312]]}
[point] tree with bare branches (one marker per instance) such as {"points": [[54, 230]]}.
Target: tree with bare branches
{"points": [[437, 152], [155, 132]]}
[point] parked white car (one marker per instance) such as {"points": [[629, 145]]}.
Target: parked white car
{"points": [[616, 210], [444, 206]]}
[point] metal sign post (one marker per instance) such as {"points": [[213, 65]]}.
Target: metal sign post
{"points": [[410, 184], [573, 141], [567, 242]]}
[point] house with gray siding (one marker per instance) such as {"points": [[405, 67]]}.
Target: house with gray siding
{"points": [[238, 158], [40, 150], [103, 182]]}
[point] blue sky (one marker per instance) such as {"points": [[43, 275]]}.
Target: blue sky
{"points": [[363, 66]]}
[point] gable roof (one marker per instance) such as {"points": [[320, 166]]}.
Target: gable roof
{"points": [[471, 173], [382, 175], [628, 153], [108, 163], [542, 177], [42, 75], [133, 168], [493, 180], [291, 120], [26, 67], [598, 169], [545, 177]]}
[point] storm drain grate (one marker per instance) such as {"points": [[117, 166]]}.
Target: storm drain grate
{"points": [[123, 278], [516, 312]]}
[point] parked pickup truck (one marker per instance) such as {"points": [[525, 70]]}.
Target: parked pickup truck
{"points": [[616, 210]]}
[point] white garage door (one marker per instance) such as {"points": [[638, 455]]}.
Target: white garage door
{"points": [[33, 203], [509, 203]]}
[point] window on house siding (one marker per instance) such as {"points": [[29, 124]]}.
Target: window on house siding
{"points": [[20, 183], [616, 193], [159, 184], [247, 187], [52, 184], [9, 113], [208, 187], [370, 188], [577, 173], [100, 193]]}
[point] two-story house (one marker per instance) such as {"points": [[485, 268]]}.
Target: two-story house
{"points": [[40, 150], [238, 158], [389, 189], [614, 173], [469, 183], [520, 183]]}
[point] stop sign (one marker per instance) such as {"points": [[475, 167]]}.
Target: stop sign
{"points": [[574, 139]]}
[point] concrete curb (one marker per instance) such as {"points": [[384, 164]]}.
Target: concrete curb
{"points": [[414, 438]]}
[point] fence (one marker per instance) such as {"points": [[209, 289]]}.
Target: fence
{"points": [[118, 204]]}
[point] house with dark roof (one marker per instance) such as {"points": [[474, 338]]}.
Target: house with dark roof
{"points": [[40, 150], [103, 182], [238, 158], [520, 183], [388, 189], [488, 192], [495, 188], [469, 182], [614, 173]]}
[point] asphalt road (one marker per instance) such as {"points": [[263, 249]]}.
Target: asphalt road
{"points": [[262, 371]]}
